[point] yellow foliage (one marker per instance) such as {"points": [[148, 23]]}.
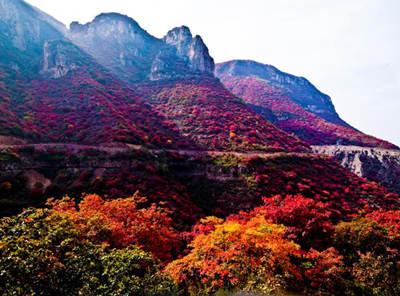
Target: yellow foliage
{"points": [[237, 254]]}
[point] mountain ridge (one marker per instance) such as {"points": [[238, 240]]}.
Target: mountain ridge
{"points": [[292, 103], [135, 55]]}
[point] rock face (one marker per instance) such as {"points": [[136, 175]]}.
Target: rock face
{"points": [[196, 183], [56, 61], [121, 45], [375, 164], [118, 43], [25, 29], [190, 49]]}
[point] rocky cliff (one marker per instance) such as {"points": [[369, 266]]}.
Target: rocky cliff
{"points": [[375, 164], [191, 183], [120, 44], [23, 32]]}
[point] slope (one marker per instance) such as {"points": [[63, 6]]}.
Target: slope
{"points": [[176, 80], [52, 91], [292, 103]]}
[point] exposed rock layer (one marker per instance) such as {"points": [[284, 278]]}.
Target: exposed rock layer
{"points": [[375, 164]]}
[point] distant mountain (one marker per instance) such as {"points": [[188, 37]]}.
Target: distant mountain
{"points": [[292, 103], [175, 76], [204, 111]]}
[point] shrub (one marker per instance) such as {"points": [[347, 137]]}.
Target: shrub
{"points": [[252, 256], [122, 222], [42, 253]]}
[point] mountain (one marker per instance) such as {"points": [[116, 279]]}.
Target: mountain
{"points": [[23, 31], [123, 154], [111, 84], [212, 117], [120, 44], [52, 91], [96, 84], [75, 100], [292, 103], [175, 76]]}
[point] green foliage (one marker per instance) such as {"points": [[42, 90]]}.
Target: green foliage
{"points": [[227, 161], [372, 256], [360, 235], [44, 254], [132, 271]]}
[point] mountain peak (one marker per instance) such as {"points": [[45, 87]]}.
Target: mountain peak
{"points": [[179, 37], [292, 103], [191, 49], [300, 89], [109, 23], [120, 44]]}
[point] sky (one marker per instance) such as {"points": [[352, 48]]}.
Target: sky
{"points": [[349, 49]]}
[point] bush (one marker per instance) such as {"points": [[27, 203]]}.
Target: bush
{"points": [[252, 256], [42, 253]]}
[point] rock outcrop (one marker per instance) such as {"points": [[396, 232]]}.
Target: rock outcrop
{"points": [[56, 60], [191, 50], [375, 164], [27, 26], [121, 45]]}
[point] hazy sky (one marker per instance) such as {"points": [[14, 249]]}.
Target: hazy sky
{"points": [[350, 49]]}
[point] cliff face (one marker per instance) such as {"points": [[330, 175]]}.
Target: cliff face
{"points": [[23, 32], [57, 59], [120, 44], [27, 26], [375, 164]]}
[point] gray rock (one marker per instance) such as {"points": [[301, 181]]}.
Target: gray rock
{"points": [[56, 61], [121, 45]]}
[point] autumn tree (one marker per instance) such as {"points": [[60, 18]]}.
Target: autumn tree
{"points": [[307, 221], [252, 256], [122, 222], [371, 252], [43, 253]]}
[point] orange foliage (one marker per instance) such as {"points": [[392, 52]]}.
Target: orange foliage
{"points": [[122, 222], [233, 253], [388, 219], [307, 221]]}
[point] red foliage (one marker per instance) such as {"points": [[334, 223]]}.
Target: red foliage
{"points": [[276, 105], [89, 107], [388, 219], [307, 221], [324, 270], [215, 119], [314, 177], [122, 222]]}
